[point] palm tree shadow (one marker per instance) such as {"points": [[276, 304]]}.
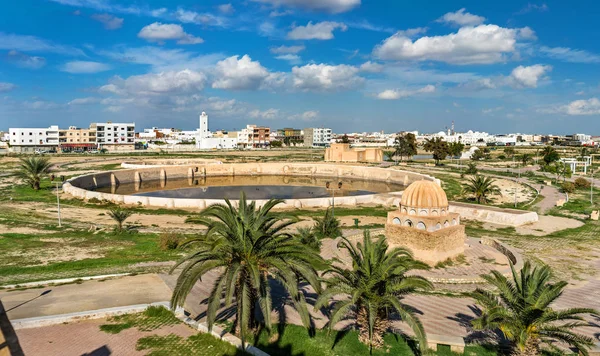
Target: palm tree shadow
{"points": [[480, 337]]}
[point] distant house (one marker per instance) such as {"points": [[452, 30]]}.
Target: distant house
{"points": [[342, 152]]}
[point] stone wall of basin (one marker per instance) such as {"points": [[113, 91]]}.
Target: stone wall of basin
{"points": [[510, 217], [83, 186]]}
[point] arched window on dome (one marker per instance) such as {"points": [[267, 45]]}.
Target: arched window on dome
{"points": [[435, 213], [438, 226], [413, 212], [443, 211], [396, 221], [453, 221], [408, 223], [423, 212], [404, 211], [446, 223], [421, 226]]}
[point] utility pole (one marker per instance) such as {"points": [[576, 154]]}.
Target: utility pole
{"points": [[339, 187], [592, 188], [515, 197]]}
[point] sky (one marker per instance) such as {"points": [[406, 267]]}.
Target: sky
{"points": [[351, 65]]}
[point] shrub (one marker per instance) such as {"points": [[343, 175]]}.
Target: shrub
{"points": [[471, 169], [308, 237], [502, 157], [169, 241], [568, 187], [328, 226], [94, 201], [582, 183]]}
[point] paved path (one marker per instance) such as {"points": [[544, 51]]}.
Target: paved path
{"points": [[89, 295]]}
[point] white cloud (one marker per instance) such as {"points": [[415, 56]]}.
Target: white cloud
{"points": [[25, 61], [371, 67], [40, 105], [268, 114], [319, 31], [393, 94], [114, 108], [581, 107], [366, 25], [287, 49], [241, 74], [81, 67], [84, 101], [580, 93], [492, 110], [159, 32], [529, 76], [207, 19], [462, 18], [226, 8], [22, 43], [164, 60], [331, 6], [5, 87], [110, 22], [526, 33], [157, 83], [470, 45], [292, 58], [570, 55], [532, 7], [311, 115], [323, 77]]}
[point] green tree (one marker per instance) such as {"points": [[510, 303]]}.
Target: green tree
{"points": [[478, 155], [559, 169], [471, 168], [526, 158], [509, 152], [344, 139], [389, 155], [520, 307], [33, 169], [327, 226], [373, 289], [307, 237], [247, 246], [549, 155], [455, 149], [481, 187], [119, 215], [276, 144], [438, 147], [405, 145]]}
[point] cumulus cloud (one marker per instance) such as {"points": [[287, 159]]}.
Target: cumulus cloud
{"points": [[529, 76], [157, 83], [331, 6], [581, 107], [318, 31], [25, 61], [292, 58], [287, 49], [371, 67], [5, 87], [207, 19], [461, 18], [84, 67], [526, 33], [226, 9], [159, 32], [268, 114], [570, 55], [482, 44], [323, 77], [110, 22], [243, 74], [393, 94]]}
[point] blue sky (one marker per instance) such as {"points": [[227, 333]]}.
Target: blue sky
{"points": [[352, 65]]}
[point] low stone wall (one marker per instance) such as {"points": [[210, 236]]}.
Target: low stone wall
{"points": [[167, 162], [83, 186], [510, 217]]}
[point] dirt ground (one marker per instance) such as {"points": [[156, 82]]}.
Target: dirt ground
{"points": [[507, 192]]}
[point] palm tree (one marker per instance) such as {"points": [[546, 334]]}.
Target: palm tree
{"points": [[119, 215], [526, 158], [327, 226], [307, 237], [33, 169], [481, 187], [521, 309], [373, 288], [247, 246]]}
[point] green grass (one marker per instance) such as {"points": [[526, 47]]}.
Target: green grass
{"points": [[200, 344], [153, 318], [295, 341]]}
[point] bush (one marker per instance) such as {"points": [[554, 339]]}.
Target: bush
{"points": [[308, 238], [471, 169], [328, 226], [502, 157], [94, 201], [582, 183], [169, 241], [568, 187]]}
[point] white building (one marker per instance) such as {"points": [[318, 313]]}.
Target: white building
{"points": [[205, 140], [115, 136], [33, 139], [317, 137], [468, 138]]}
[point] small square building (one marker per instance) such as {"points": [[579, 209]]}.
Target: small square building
{"points": [[424, 225]]}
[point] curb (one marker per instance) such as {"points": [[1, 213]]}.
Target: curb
{"points": [[61, 281], [36, 322]]}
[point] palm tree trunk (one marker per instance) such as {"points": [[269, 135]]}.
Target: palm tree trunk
{"points": [[380, 327], [532, 348]]}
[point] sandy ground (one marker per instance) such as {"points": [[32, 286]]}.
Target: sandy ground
{"points": [[544, 226]]}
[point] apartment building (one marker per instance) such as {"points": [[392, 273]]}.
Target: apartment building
{"points": [[317, 137], [75, 139], [253, 136], [115, 136], [29, 140]]}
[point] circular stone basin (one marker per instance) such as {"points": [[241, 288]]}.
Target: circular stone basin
{"points": [[255, 187]]}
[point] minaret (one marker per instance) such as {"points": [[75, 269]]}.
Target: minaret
{"points": [[203, 130]]}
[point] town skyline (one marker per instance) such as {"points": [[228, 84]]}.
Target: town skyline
{"points": [[348, 65]]}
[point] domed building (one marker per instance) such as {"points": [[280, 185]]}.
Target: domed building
{"points": [[424, 225]]}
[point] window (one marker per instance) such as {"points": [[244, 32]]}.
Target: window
{"points": [[31, 134], [30, 140], [14, 133], [421, 226], [396, 221]]}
